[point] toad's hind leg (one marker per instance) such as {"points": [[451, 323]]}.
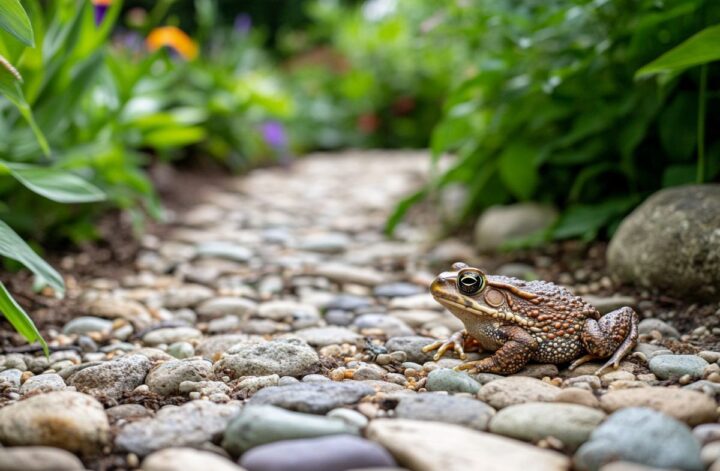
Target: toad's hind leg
{"points": [[614, 335], [517, 350]]}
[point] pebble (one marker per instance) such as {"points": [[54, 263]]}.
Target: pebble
{"points": [[38, 458], [168, 335], [187, 459], [395, 290], [342, 273], [112, 378], [128, 411], [43, 383], [390, 326], [226, 306], [11, 377], [338, 317], [572, 424], [165, 379], [579, 396], [64, 419], [334, 453], [224, 250], [438, 407], [648, 325], [323, 336], [185, 296], [675, 366], [412, 346], [349, 302], [252, 384], [427, 446], [284, 357], [445, 379], [349, 416], [87, 324], [181, 350], [643, 436], [282, 309], [691, 407], [190, 424], [314, 398], [517, 390], [258, 425], [707, 433]]}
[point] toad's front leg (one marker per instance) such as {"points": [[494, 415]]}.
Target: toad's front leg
{"points": [[614, 336], [516, 351], [460, 342]]}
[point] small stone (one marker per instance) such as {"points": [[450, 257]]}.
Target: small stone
{"points": [[710, 357], [352, 418], [165, 378], [412, 346], [349, 302], [606, 304], [539, 371], [648, 325], [707, 433], [328, 243], [687, 406], [43, 383], [84, 428], [341, 452], [578, 396], [445, 408], [11, 376], [188, 295], [284, 357], [517, 390], [226, 306], [190, 424], [532, 421], [445, 379], [338, 317], [112, 378], [87, 324], [642, 436], [710, 453], [675, 366], [181, 350], [281, 310], [168, 335], [314, 398], [390, 326], [341, 273], [128, 411], [187, 459], [258, 425], [426, 446], [395, 290], [38, 458], [323, 336], [226, 250]]}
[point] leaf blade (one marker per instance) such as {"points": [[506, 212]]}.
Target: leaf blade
{"points": [[55, 185], [15, 21], [19, 319], [699, 49]]}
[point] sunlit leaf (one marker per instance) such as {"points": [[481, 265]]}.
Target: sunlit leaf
{"points": [[15, 21], [702, 48], [13, 247], [56, 185], [19, 319]]}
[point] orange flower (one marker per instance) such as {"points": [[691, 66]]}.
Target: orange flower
{"points": [[174, 38]]}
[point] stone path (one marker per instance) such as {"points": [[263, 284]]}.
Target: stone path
{"points": [[276, 328]]}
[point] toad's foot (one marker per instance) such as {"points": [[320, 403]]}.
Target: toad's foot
{"points": [[614, 336], [456, 341], [508, 359]]}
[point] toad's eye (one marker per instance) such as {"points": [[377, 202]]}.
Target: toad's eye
{"points": [[470, 282]]}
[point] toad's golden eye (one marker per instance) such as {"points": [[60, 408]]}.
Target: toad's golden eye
{"points": [[470, 282]]}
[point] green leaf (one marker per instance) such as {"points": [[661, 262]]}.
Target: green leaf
{"points": [[518, 170], [402, 208], [702, 48], [20, 319], [675, 175], [55, 185], [13, 247], [585, 221], [167, 138], [15, 21]]}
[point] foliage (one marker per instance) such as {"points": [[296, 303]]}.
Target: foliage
{"points": [[551, 112]]}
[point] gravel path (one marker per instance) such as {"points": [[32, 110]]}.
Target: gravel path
{"points": [[276, 328]]}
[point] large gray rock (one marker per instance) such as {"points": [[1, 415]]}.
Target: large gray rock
{"points": [[671, 242], [165, 378], [112, 378], [499, 224], [644, 436], [316, 398], [445, 408], [62, 419], [285, 357]]}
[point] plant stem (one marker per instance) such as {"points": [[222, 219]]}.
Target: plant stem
{"points": [[701, 124]]}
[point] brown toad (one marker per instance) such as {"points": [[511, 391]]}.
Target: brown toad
{"points": [[528, 320]]}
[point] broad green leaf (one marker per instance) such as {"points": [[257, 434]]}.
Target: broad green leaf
{"points": [[699, 49], [15, 21], [13, 247], [678, 134], [679, 175], [518, 170], [56, 185], [19, 319], [167, 138]]}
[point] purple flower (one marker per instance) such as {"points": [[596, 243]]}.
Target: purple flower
{"points": [[243, 24], [274, 134], [100, 7]]}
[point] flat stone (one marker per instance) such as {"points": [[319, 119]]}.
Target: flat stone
{"points": [[517, 390], [168, 335], [187, 459], [395, 290], [187, 295], [87, 324], [445, 408], [284, 357], [445, 379], [349, 302], [412, 346], [258, 425], [648, 325], [315, 398], [165, 378], [181, 350], [570, 423], [43, 383], [226, 250], [38, 458], [329, 243], [282, 309], [226, 306], [11, 376], [63, 419], [213, 346], [112, 378], [643, 436], [323, 336], [391, 326], [691, 407], [606, 304], [188, 425], [675, 366], [341, 273], [432, 446], [113, 308], [128, 411], [707, 433]]}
